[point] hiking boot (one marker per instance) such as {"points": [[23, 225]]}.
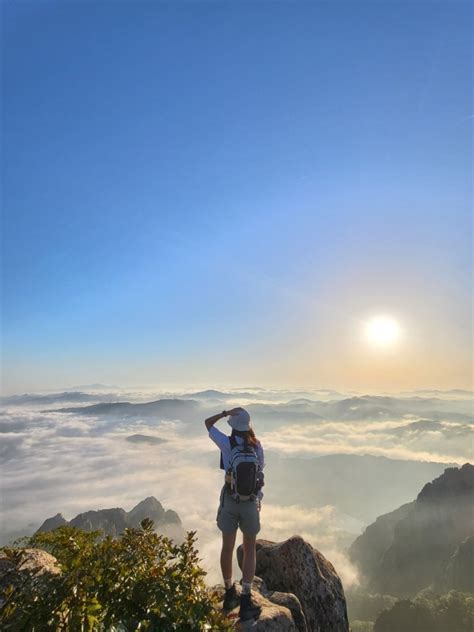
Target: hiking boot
{"points": [[248, 610], [231, 598]]}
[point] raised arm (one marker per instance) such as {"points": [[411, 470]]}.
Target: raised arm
{"points": [[215, 418], [225, 413]]}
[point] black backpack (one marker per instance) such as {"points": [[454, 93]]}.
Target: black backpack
{"points": [[243, 469]]}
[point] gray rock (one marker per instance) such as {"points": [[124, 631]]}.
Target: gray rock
{"points": [[277, 611], [15, 567], [294, 566], [285, 599]]}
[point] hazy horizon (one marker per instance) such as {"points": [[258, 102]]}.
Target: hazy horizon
{"points": [[172, 388]]}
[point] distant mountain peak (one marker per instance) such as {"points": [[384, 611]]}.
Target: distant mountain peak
{"points": [[53, 523], [115, 520], [451, 483], [150, 502]]}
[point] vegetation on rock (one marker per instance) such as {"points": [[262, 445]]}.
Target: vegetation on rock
{"points": [[138, 581]]}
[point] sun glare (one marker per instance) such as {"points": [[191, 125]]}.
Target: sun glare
{"points": [[382, 331]]}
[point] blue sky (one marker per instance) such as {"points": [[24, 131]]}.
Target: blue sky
{"points": [[211, 193]]}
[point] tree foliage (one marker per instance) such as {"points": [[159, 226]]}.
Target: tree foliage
{"points": [[453, 611], [364, 606], [139, 581]]}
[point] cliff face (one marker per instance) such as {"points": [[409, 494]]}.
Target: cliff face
{"points": [[367, 550], [410, 549], [115, 521], [459, 573]]}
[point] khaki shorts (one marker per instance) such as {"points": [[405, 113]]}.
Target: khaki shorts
{"points": [[231, 515]]}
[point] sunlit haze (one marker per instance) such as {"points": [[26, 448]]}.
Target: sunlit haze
{"points": [[382, 331]]}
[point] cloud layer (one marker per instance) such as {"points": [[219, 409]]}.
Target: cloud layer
{"points": [[71, 462]]}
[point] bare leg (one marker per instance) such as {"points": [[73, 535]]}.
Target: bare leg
{"points": [[248, 564], [228, 543]]}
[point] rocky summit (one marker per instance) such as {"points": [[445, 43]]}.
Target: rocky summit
{"points": [[281, 611], [305, 583]]}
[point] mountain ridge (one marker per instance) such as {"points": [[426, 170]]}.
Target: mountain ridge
{"points": [[113, 521], [417, 542]]}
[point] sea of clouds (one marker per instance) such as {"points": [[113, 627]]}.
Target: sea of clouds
{"points": [[71, 462]]}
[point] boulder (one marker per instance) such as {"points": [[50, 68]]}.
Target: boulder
{"points": [[281, 612], [15, 566], [294, 566], [285, 599]]}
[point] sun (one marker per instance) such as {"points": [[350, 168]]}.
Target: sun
{"points": [[382, 331]]}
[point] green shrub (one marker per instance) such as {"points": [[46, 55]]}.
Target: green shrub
{"points": [[139, 581]]}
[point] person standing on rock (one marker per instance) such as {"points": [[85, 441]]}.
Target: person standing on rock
{"points": [[239, 505]]}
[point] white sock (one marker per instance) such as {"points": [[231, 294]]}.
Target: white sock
{"points": [[246, 588], [228, 583]]}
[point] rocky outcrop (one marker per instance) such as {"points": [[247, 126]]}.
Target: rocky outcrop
{"points": [[310, 599], [294, 566], [281, 612], [114, 521], [16, 566]]}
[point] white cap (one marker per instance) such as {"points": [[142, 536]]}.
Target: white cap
{"points": [[241, 421]]}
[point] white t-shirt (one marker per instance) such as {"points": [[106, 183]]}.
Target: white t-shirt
{"points": [[223, 443]]}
